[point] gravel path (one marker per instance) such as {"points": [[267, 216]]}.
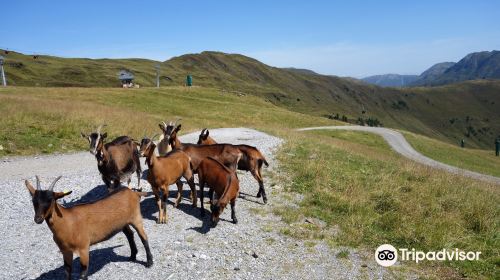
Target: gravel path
{"points": [[184, 248], [399, 144]]}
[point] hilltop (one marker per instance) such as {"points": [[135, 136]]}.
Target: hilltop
{"points": [[465, 110]]}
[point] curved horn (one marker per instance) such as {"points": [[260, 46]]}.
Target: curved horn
{"points": [[100, 127], [179, 119], [38, 183], [51, 188], [156, 135], [164, 124]]}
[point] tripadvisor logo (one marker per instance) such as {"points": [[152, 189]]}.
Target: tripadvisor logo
{"points": [[387, 255]]}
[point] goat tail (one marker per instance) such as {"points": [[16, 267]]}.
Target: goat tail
{"points": [[263, 161], [140, 193]]}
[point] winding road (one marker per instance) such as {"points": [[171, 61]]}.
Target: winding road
{"points": [[399, 144]]}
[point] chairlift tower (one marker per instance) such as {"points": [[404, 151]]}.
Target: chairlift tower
{"points": [[157, 67], [4, 81]]}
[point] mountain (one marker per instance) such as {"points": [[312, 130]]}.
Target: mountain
{"points": [[391, 80], [452, 112], [300, 70], [479, 65], [432, 73], [474, 66]]}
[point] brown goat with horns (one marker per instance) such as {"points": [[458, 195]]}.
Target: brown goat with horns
{"points": [[164, 171], [116, 160], [78, 227], [252, 160]]}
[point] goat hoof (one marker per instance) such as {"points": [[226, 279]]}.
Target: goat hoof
{"points": [[259, 195], [132, 259], [265, 200], [149, 263], [235, 221]]}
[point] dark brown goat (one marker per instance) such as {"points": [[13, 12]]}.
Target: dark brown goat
{"points": [[164, 171], [75, 229], [225, 153], [116, 160], [224, 187], [252, 160]]}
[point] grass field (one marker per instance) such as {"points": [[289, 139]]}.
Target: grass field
{"points": [[46, 120], [482, 161], [447, 113], [366, 193]]}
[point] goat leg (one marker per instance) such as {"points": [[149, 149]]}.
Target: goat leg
{"points": [[179, 193], [84, 262], [68, 263], [233, 211], [160, 210], [164, 205], [130, 237], [202, 193], [139, 227]]}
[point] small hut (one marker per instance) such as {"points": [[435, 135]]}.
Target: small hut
{"points": [[127, 78]]}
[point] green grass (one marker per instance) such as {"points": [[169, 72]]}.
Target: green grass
{"points": [[373, 196], [482, 161], [46, 120]]}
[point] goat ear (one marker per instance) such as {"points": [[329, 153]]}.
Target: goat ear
{"points": [[30, 187], [206, 134], [59, 195], [178, 128], [84, 135], [104, 135], [161, 127]]}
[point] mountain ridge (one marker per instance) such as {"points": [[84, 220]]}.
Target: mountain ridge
{"points": [[449, 113]]}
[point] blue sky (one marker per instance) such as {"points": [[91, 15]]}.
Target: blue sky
{"points": [[345, 38]]}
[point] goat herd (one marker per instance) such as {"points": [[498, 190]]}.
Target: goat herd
{"points": [[80, 226]]}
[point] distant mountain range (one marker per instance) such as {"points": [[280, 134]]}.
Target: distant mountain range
{"points": [[391, 80], [474, 66]]}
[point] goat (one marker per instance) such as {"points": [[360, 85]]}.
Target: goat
{"points": [[164, 171], [75, 229], [222, 182], [164, 145], [116, 160], [225, 153], [251, 160]]}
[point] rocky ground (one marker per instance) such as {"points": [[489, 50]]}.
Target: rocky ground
{"points": [[184, 248]]}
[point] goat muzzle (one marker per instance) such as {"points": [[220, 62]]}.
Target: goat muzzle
{"points": [[39, 219]]}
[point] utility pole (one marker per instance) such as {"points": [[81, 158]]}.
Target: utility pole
{"points": [[157, 66], [4, 81]]}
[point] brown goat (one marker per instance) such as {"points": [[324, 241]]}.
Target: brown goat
{"points": [[164, 145], [225, 153], [251, 160], [117, 160], [164, 171], [80, 226], [223, 183]]}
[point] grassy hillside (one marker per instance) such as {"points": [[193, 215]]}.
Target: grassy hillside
{"points": [[368, 195], [448, 113], [46, 120], [482, 161]]}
